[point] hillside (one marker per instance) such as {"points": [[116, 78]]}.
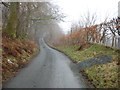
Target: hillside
{"points": [[15, 54]]}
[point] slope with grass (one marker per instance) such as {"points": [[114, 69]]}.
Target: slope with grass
{"points": [[100, 76], [15, 54]]}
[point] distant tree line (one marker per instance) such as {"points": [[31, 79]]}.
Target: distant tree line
{"points": [[106, 33]]}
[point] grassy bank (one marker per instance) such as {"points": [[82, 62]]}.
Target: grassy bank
{"points": [[16, 53], [101, 76]]}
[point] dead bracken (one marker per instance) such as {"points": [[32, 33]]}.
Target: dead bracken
{"points": [[15, 54]]}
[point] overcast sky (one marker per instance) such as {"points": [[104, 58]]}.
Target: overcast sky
{"points": [[74, 9]]}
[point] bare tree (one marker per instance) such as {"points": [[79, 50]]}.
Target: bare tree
{"points": [[29, 18]]}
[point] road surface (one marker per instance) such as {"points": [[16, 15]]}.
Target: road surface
{"points": [[50, 69]]}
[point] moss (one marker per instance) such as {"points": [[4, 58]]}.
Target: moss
{"points": [[10, 29]]}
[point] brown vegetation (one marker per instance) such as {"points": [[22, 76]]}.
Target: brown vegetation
{"points": [[15, 54]]}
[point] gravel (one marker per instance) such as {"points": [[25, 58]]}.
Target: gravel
{"points": [[98, 60]]}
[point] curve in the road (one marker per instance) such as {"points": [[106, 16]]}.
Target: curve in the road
{"points": [[50, 69]]}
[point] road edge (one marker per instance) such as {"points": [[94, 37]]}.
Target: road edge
{"points": [[87, 80]]}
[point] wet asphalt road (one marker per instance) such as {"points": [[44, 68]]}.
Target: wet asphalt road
{"points": [[50, 69]]}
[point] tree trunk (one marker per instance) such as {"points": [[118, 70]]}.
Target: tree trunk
{"points": [[12, 20], [113, 41], [118, 42]]}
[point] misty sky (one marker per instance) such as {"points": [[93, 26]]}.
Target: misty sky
{"points": [[74, 9]]}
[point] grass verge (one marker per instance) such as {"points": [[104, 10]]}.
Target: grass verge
{"points": [[101, 76]]}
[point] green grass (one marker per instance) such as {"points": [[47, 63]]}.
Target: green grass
{"points": [[102, 76]]}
